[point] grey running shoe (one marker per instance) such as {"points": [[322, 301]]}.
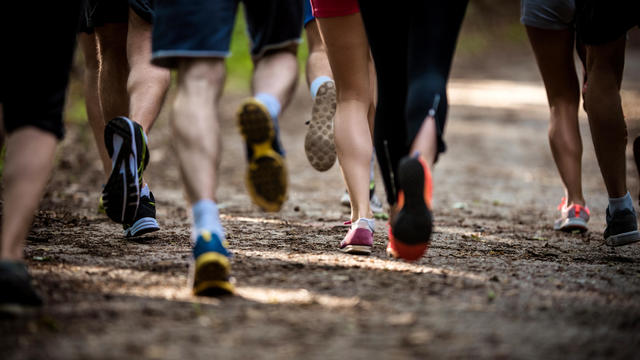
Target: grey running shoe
{"points": [[318, 143], [573, 218], [622, 228]]}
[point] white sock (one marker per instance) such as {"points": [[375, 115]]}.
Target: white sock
{"points": [[206, 217], [621, 203], [316, 83], [271, 103], [364, 223]]}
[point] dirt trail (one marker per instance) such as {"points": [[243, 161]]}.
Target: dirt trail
{"points": [[497, 282]]}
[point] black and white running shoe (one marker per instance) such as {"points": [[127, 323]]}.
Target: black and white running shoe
{"points": [[126, 144], [145, 221]]}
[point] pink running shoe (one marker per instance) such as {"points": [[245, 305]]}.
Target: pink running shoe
{"points": [[359, 239], [573, 218]]}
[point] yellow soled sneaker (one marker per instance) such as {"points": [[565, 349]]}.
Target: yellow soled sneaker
{"points": [[266, 176], [211, 270]]}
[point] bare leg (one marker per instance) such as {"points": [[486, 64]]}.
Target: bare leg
{"points": [[276, 74], [605, 64], [426, 142], [114, 71], [373, 90], [92, 100], [317, 61], [348, 52], [27, 166], [147, 84], [554, 53], [196, 127]]}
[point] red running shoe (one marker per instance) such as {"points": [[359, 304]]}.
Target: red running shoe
{"points": [[410, 229]]}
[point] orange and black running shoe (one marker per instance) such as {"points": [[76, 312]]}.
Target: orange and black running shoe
{"points": [[411, 226]]}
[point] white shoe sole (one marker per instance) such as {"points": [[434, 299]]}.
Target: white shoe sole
{"points": [[318, 142], [357, 249], [623, 239]]}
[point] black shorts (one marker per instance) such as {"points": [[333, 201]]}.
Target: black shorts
{"points": [[600, 22], [203, 28], [101, 12], [35, 75]]}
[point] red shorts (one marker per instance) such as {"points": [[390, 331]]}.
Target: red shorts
{"points": [[333, 8]]}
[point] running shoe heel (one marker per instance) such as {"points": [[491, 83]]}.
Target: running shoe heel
{"points": [[266, 176], [211, 276], [413, 224], [211, 268], [121, 193]]}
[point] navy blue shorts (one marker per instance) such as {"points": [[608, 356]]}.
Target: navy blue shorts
{"points": [[203, 28], [101, 12], [308, 13]]}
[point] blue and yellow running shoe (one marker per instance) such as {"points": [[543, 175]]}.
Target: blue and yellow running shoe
{"points": [[267, 172], [126, 144], [211, 268]]}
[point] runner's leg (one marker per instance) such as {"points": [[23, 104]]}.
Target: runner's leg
{"points": [[276, 74], [195, 125], [92, 100], [317, 61], [114, 70], [605, 64], [345, 35], [27, 166], [432, 40], [147, 84], [554, 54]]}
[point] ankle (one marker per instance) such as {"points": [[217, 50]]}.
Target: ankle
{"points": [[620, 204], [364, 223], [206, 217], [575, 201]]}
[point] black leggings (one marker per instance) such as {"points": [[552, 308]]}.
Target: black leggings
{"points": [[412, 44]]}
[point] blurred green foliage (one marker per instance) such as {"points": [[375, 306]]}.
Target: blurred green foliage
{"points": [[239, 64]]}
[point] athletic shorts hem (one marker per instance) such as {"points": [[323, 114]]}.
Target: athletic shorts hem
{"points": [[276, 46], [329, 13], [546, 25], [54, 127], [169, 58]]}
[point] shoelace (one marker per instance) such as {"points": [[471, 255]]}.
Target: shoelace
{"points": [[578, 208], [563, 201]]}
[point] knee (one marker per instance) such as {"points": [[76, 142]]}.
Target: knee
{"points": [[288, 51], [201, 77], [286, 57], [563, 110]]}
